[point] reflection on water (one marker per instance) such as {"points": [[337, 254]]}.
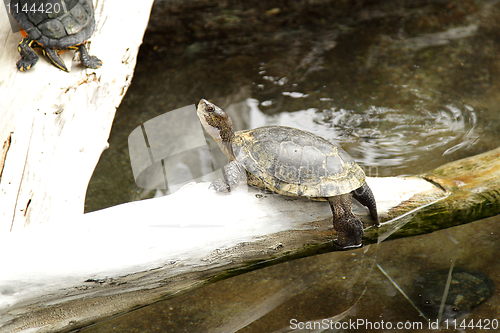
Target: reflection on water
{"points": [[385, 137]]}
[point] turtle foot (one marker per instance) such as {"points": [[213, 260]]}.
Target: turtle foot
{"points": [[220, 186], [349, 229], [88, 60], [93, 62], [23, 65], [234, 173], [349, 233], [28, 56]]}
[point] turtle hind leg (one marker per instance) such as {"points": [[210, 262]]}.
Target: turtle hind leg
{"points": [[55, 58], [349, 229], [28, 56], [364, 196], [88, 60]]}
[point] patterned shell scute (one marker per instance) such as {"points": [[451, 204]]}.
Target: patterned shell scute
{"points": [[294, 162], [63, 24]]}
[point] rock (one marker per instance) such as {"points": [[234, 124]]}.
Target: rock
{"points": [[467, 289]]}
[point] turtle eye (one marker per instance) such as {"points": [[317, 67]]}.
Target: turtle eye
{"points": [[210, 109]]}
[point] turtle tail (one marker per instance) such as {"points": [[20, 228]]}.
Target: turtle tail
{"points": [[364, 196]]}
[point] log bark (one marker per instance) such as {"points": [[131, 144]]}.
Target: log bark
{"points": [[472, 192]]}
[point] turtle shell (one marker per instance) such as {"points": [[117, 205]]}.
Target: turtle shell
{"points": [[293, 162], [56, 24]]}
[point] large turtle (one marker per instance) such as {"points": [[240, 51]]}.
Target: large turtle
{"points": [[292, 162], [54, 25]]}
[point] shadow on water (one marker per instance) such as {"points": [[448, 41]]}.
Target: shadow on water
{"points": [[403, 87]]}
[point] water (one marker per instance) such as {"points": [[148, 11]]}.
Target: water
{"points": [[403, 90], [381, 89]]}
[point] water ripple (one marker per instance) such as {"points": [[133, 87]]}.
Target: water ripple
{"points": [[388, 137]]}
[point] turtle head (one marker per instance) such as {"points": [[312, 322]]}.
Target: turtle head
{"points": [[218, 124]]}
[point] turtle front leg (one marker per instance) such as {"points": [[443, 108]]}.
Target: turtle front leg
{"points": [[88, 60], [364, 196], [29, 57], [234, 172], [55, 58], [349, 229]]}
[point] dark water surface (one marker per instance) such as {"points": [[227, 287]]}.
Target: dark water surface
{"points": [[402, 91], [402, 88]]}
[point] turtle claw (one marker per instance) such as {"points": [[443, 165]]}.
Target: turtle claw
{"points": [[341, 247], [349, 234], [220, 186]]}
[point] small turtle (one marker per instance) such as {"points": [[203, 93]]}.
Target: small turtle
{"points": [[468, 288], [54, 25], [292, 162]]}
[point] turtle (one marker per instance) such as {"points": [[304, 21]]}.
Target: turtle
{"points": [[292, 162], [54, 25]]}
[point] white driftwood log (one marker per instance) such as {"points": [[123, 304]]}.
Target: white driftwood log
{"points": [[69, 273], [134, 253], [54, 125]]}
